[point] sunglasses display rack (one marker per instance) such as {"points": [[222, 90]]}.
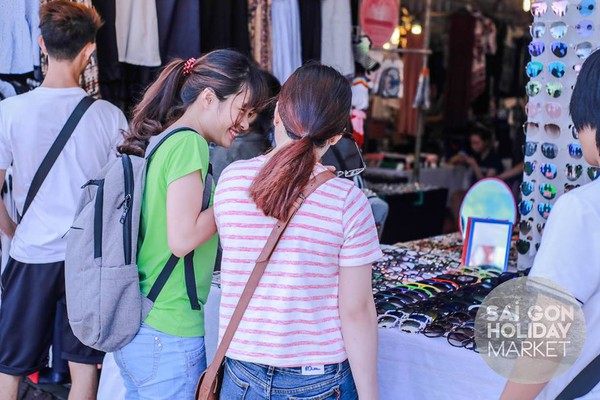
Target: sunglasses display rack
{"points": [[564, 33]]}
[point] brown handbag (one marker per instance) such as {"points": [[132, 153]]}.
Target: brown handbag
{"points": [[209, 384]]}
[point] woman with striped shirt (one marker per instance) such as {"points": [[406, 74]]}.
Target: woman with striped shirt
{"points": [[310, 330]]}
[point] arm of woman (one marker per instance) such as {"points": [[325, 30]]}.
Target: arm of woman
{"points": [[187, 225], [359, 328]]}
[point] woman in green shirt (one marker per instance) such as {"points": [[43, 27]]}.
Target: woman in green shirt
{"points": [[210, 99]]}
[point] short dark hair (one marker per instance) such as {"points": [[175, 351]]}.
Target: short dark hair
{"points": [[67, 27], [264, 119], [585, 101]]}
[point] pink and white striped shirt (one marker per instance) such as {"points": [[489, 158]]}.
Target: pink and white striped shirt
{"points": [[293, 318]]}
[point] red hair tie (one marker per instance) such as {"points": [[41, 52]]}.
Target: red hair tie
{"points": [[187, 67]]}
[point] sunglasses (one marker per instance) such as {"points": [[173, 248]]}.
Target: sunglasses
{"points": [[574, 132], [527, 188], [573, 172], [540, 7], [569, 187], [533, 109], [532, 129], [534, 69], [533, 88], [548, 191], [554, 89], [523, 246], [558, 30], [593, 173], [583, 50], [586, 7], [525, 226], [463, 336], [557, 69], [529, 167], [525, 207], [549, 150], [544, 210], [536, 49], [548, 170]]}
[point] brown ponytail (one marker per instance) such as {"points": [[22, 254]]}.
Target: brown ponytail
{"points": [[314, 105], [226, 72]]}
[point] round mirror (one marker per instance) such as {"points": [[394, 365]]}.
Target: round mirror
{"points": [[489, 198]]}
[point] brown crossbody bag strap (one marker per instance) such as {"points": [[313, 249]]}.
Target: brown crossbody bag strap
{"points": [[209, 385]]}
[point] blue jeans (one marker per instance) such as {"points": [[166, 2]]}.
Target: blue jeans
{"points": [[249, 381], [155, 365]]}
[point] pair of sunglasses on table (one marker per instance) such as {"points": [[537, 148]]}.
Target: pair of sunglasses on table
{"points": [[412, 306], [559, 8]]}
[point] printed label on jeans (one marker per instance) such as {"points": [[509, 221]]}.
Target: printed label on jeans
{"points": [[313, 370]]}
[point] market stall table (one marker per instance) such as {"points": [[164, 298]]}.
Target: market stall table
{"points": [[452, 178]]}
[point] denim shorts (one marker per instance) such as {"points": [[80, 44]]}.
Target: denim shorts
{"points": [[249, 381], [155, 365]]}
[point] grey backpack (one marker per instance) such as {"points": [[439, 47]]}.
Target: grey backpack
{"points": [[104, 302]]}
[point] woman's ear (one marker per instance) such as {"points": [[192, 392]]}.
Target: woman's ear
{"points": [[207, 97], [276, 117], [334, 140]]}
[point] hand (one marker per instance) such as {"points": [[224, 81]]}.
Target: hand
{"points": [[331, 168], [471, 161]]}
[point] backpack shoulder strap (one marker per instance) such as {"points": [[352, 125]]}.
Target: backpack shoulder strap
{"points": [[158, 140], [55, 150], [583, 383]]}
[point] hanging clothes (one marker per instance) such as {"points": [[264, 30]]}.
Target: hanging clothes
{"points": [[310, 29], [287, 49], [109, 69], [407, 119], [224, 25], [259, 23], [19, 30], [485, 44], [137, 32], [336, 36], [178, 29], [460, 67], [389, 80], [89, 80]]}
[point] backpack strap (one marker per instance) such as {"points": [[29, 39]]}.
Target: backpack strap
{"points": [[583, 383], [188, 261], [55, 150], [158, 140]]}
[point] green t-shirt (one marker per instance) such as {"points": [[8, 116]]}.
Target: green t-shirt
{"points": [[180, 155]]}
